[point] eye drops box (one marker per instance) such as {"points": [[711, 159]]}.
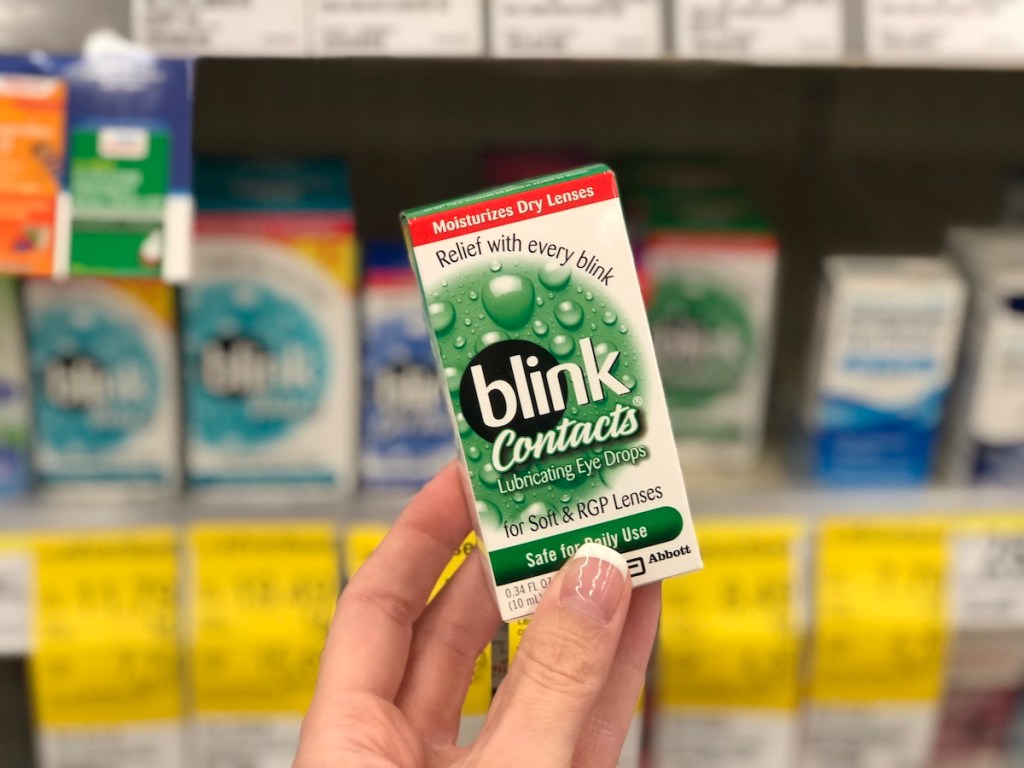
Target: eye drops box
{"points": [[540, 328], [986, 442], [887, 337]]}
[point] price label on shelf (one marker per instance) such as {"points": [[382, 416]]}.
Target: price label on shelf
{"points": [[945, 32], [262, 598], [987, 591], [882, 629], [730, 634], [760, 30], [729, 648], [105, 674], [881, 619], [218, 28], [602, 29], [398, 27], [17, 568]]}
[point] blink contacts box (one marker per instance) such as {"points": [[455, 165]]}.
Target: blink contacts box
{"points": [[884, 357], [537, 319]]}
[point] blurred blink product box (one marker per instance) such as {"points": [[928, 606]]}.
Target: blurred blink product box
{"points": [[14, 413], [711, 261], [886, 340], [407, 434], [104, 365], [270, 329], [987, 433]]}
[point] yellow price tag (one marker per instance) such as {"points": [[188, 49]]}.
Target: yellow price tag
{"points": [[105, 634], [262, 599], [360, 541], [730, 634], [359, 545], [880, 607]]}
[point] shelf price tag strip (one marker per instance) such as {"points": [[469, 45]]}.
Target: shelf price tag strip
{"points": [[880, 641], [262, 597], [728, 666], [106, 670]]}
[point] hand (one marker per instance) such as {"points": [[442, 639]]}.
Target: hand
{"points": [[394, 672]]}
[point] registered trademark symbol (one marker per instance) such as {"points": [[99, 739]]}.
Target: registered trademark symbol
{"points": [[638, 401]]}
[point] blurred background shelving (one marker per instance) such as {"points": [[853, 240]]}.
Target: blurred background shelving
{"points": [[834, 626]]}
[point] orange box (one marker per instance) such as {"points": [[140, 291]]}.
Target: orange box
{"points": [[32, 140]]}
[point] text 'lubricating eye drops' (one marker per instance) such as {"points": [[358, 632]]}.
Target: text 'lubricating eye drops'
{"points": [[541, 332]]}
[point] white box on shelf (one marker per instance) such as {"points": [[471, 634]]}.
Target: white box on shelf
{"points": [[780, 31], [606, 29], [397, 28], [987, 432]]}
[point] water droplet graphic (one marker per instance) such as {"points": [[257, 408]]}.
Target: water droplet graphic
{"points": [[518, 497], [588, 296], [460, 342], [537, 509], [495, 266], [609, 318], [491, 337], [553, 277], [562, 345], [603, 348], [444, 283], [488, 513], [467, 322], [442, 317], [474, 295], [462, 424], [628, 380], [569, 314], [473, 453], [623, 329], [593, 326], [566, 498], [540, 302], [453, 378], [508, 299], [540, 328], [489, 475], [579, 289]]}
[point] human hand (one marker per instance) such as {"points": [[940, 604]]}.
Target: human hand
{"points": [[395, 671]]}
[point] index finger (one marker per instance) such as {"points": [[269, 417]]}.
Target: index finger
{"points": [[368, 645]]}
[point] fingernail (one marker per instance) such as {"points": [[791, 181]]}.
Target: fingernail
{"points": [[594, 582]]}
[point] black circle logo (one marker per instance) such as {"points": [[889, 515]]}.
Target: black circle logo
{"points": [[506, 386]]}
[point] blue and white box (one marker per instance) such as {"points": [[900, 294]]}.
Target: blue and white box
{"points": [[987, 434], [887, 338], [407, 433]]}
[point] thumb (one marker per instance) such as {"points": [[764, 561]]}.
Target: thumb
{"points": [[562, 665]]}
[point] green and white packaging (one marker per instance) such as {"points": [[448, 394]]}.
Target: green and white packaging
{"points": [[539, 324], [712, 262]]}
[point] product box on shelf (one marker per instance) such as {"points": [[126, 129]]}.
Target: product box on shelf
{"points": [[886, 340], [104, 371], [270, 329], [14, 406], [129, 167], [710, 261], [540, 327], [32, 139], [986, 434], [407, 435]]}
